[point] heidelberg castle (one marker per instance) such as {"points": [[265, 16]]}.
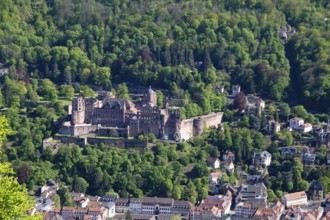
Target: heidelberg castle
{"points": [[109, 116]]}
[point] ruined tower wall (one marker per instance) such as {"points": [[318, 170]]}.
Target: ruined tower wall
{"points": [[198, 126], [78, 111]]}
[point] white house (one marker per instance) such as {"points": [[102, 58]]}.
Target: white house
{"points": [[245, 210], [262, 159], [300, 125], [236, 89], [214, 177], [296, 122], [228, 165], [213, 162], [111, 212], [228, 155], [156, 206], [297, 198]]}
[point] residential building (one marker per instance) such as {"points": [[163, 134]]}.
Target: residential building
{"points": [[327, 201], [274, 212], [122, 216], [213, 162], [245, 209], [253, 193], [261, 159], [109, 198], [214, 177], [49, 189], [228, 165], [326, 216], [111, 206], [156, 206], [299, 124], [304, 212], [122, 205], [293, 199], [228, 155], [308, 159], [315, 191], [266, 213], [272, 127], [288, 151], [296, 122], [236, 89], [254, 105], [4, 71], [181, 208], [135, 205]]}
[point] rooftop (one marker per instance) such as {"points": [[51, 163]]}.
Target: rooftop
{"points": [[296, 195]]}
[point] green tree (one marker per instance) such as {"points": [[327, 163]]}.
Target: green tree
{"points": [[299, 111], [122, 91], [67, 200], [284, 110], [79, 184], [48, 90], [57, 201], [13, 196], [67, 91], [160, 98], [85, 91]]}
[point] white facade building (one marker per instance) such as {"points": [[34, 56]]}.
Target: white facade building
{"points": [[135, 205], [262, 158], [297, 198], [156, 206]]}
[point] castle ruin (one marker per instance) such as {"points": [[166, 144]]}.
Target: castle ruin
{"points": [[109, 116]]}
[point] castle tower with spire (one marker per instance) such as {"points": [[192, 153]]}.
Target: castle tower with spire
{"points": [[151, 97]]}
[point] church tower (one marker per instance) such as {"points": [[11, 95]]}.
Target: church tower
{"points": [[78, 111]]}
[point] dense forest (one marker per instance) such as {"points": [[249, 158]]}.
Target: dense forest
{"points": [[172, 44], [52, 48]]}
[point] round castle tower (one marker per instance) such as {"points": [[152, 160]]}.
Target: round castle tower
{"points": [[78, 111], [198, 126]]}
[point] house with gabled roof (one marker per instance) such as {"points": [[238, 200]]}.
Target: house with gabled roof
{"points": [[228, 165], [263, 159], [293, 199], [213, 162]]}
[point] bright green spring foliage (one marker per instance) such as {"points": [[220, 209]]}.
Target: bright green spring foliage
{"points": [[14, 201]]}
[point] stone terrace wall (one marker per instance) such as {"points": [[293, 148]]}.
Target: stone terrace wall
{"points": [[82, 142], [118, 142]]}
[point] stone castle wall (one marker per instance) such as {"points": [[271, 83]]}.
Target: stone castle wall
{"points": [[186, 129], [194, 126], [212, 120]]}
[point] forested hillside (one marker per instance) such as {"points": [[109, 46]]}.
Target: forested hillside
{"points": [[185, 47], [171, 44]]}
